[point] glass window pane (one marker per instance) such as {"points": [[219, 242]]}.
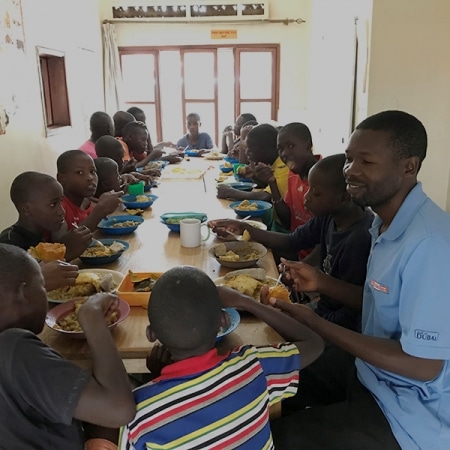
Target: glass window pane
{"points": [[256, 74], [199, 75], [207, 117], [138, 73], [172, 119], [261, 110], [225, 87]]}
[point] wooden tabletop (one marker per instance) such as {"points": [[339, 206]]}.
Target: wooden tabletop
{"points": [[153, 248]]}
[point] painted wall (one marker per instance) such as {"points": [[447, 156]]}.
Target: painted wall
{"points": [[72, 27], [409, 70]]}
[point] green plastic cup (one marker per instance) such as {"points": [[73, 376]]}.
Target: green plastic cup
{"points": [[136, 189]]}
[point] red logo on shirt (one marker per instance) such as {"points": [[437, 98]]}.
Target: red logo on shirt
{"points": [[379, 287]]}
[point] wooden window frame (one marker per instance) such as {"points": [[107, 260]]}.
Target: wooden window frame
{"points": [[54, 93], [237, 49]]}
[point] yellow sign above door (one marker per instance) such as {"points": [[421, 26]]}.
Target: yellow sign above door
{"points": [[223, 34]]}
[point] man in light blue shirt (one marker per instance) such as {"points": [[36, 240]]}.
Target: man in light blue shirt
{"points": [[403, 354]]}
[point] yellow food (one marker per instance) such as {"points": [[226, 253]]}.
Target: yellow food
{"points": [[103, 250], [47, 251], [70, 321], [246, 236], [142, 199], [125, 224], [280, 292], [245, 205], [87, 283], [248, 285]]}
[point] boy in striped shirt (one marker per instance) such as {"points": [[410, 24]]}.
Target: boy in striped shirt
{"points": [[201, 399]]}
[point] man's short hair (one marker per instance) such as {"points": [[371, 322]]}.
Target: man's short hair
{"points": [[132, 127], [65, 160], [184, 308], [15, 266], [408, 136], [298, 129], [193, 116], [333, 168], [26, 184], [109, 147]]}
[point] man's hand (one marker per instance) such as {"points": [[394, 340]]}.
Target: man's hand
{"points": [[301, 313], [108, 202], [105, 303], [76, 241], [58, 274], [231, 298], [224, 191], [305, 278], [221, 225], [129, 166], [157, 359], [264, 173]]}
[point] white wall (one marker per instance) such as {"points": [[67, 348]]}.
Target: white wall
{"points": [[74, 28], [410, 70]]}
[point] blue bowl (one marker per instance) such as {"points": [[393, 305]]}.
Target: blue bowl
{"points": [[234, 319], [130, 201], [226, 169], [193, 152], [112, 224], [181, 215], [231, 160], [241, 179], [242, 186], [100, 260], [262, 208]]}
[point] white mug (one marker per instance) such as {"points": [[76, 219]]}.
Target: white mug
{"points": [[190, 232]]}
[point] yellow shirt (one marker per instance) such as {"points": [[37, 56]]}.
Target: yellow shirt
{"points": [[281, 174]]}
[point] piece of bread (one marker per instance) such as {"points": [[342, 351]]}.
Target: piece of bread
{"points": [[279, 292], [47, 251]]}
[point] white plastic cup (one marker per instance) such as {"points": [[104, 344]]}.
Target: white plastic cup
{"points": [[190, 232]]}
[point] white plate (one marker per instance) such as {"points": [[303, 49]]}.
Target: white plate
{"points": [[117, 278]]}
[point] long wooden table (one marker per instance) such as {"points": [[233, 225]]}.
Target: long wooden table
{"points": [[153, 248]]}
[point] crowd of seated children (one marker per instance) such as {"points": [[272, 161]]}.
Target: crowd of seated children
{"points": [[47, 401], [231, 135], [37, 198], [203, 399], [339, 227], [101, 124], [194, 139], [78, 177], [108, 147], [263, 156]]}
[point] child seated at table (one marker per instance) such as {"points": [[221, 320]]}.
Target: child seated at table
{"points": [[194, 139], [44, 397], [340, 227], [203, 399], [101, 124], [108, 176], [78, 177], [37, 198], [108, 147]]}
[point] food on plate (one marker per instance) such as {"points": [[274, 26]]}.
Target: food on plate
{"points": [[70, 321], [125, 224], [46, 251], [134, 212], [246, 236], [142, 283], [246, 205], [223, 254], [103, 250], [142, 199], [280, 292], [248, 281], [86, 283], [227, 164]]}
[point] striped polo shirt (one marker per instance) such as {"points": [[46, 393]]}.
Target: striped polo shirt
{"points": [[214, 402]]}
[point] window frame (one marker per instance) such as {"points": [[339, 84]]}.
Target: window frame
{"points": [[54, 93]]}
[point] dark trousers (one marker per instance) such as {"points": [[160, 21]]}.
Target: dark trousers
{"points": [[340, 412]]}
